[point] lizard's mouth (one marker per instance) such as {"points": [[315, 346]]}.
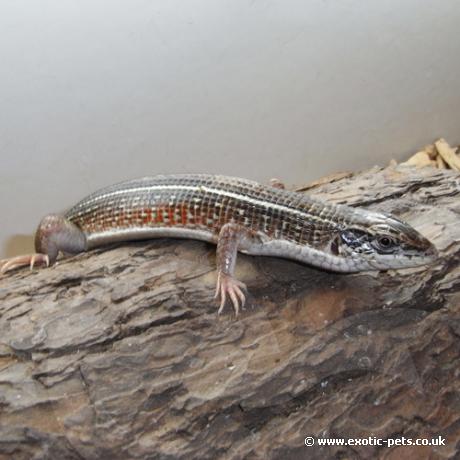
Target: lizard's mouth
{"points": [[407, 260]]}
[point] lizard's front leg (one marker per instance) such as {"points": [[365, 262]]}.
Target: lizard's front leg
{"points": [[231, 238], [54, 234]]}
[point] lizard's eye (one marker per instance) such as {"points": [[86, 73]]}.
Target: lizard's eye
{"points": [[385, 243]]}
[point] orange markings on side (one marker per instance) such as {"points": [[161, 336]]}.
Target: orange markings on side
{"points": [[147, 216], [183, 214], [135, 216], [121, 219], [159, 216], [171, 216], [192, 218]]}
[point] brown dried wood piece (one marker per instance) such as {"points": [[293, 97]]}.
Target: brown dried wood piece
{"points": [[431, 151], [440, 163], [420, 159], [448, 154]]}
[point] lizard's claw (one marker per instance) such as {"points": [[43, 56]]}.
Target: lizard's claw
{"points": [[226, 284], [20, 261]]}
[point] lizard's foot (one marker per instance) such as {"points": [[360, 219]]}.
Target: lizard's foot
{"points": [[20, 261], [226, 284], [276, 183]]}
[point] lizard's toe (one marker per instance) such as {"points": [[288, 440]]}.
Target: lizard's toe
{"points": [[21, 261], [226, 284]]}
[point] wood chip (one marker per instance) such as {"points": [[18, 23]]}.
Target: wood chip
{"points": [[448, 154], [431, 151], [420, 159], [440, 163]]}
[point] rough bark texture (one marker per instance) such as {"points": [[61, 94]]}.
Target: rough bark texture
{"points": [[119, 353]]}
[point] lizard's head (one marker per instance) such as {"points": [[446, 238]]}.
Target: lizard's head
{"points": [[377, 241]]}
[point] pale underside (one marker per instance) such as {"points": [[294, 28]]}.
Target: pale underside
{"points": [[260, 244]]}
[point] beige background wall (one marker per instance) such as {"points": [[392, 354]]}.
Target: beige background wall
{"points": [[97, 91]]}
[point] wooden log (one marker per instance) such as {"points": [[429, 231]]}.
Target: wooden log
{"points": [[119, 354]]}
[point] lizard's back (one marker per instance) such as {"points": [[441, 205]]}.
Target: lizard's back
{"points": [[197, 206]]}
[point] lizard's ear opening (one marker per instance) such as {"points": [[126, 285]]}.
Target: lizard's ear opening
{"points": [[335, 245], [354, 238]]}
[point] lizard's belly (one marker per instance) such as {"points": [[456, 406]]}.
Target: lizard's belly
{"points": [[95, 239], [302, 253]]}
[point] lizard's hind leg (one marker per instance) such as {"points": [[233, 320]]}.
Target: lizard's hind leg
{"points": [[54, 234]]}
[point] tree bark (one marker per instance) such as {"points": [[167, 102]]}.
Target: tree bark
{"points": [[119, 353]]}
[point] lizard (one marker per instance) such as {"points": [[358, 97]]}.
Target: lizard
{"points": [[236, 215]]}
